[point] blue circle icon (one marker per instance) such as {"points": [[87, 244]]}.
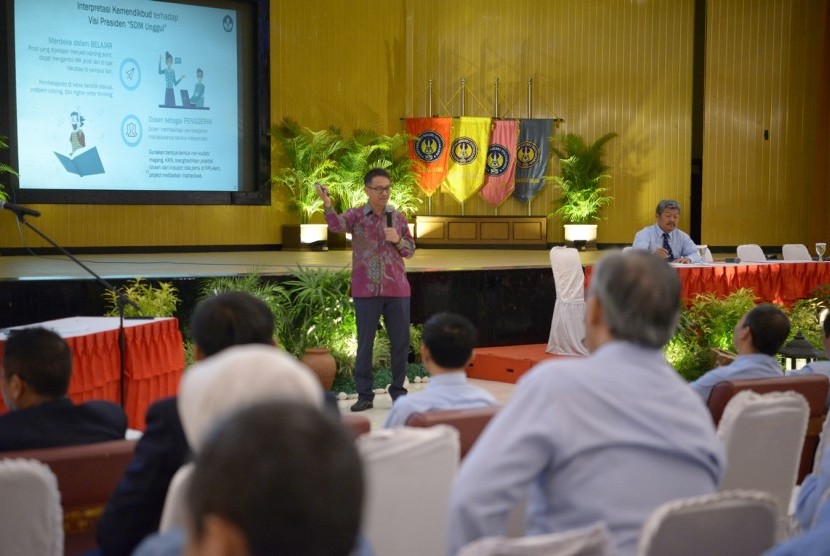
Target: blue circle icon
{"points": [[130, 74], [131, 131]]}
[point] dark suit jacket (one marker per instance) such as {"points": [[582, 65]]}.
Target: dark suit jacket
{"points": [[134, 511], [59, 423]]}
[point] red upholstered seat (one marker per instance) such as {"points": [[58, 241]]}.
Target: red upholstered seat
{"points": [[358, 425], [812, 387], [87, 477], [469, 422]]}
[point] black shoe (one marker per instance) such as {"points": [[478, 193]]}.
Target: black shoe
{"points": [[362, 405]]}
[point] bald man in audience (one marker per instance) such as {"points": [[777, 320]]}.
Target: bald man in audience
{"points": [[36, 370], [608, 437], [757, 337]]}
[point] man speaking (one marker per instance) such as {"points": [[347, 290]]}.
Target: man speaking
{"points": [[664, 239]]}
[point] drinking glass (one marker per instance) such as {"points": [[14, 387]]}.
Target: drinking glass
{"points": [[820, 249]]}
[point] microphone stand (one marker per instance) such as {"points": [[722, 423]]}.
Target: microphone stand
{"points": [[121, 301]]}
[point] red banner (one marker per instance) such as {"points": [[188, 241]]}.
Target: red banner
{"points": [[501, 163], [429, 150]]}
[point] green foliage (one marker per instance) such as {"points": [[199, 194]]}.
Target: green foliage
{"points": [[306, 157], [582, 172], [152, 301], [709, 322], [804, 318], [368, 149], [4, 169]]}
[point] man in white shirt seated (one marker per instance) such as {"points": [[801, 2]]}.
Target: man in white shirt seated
{"points": [[664, 239], [757, 337], [446, 350], [819, 367], [608, 437]]}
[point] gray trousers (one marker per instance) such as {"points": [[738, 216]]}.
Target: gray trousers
{"points": [[395, 311]]}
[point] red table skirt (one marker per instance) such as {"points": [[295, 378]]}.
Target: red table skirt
{"points": [[783, 283], [154, 363]]}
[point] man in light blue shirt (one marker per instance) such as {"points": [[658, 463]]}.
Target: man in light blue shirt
{"points": [[608, 437], [664, 239], [446, 349], [819, 367], [757, 337]]}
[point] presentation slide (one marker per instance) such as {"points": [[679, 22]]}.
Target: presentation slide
{"points": [[126, 95]]}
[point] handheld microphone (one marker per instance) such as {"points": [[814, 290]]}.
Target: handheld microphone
{"points": [[388, 219], [18, 210]]}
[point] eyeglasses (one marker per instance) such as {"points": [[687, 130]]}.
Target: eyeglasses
{"points": [[380, 190]]}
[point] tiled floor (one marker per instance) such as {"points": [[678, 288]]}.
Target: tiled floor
{"points": [[377, 415]]}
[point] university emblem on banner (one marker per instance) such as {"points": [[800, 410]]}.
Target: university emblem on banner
{"points": [[429, 146], [527, 154], [463, 150], [498, 160]]}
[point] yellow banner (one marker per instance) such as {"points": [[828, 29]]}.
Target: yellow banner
{"points": [[469, 140]]}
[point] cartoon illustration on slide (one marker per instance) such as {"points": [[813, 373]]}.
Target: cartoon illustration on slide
{"points": [[86, 162], [170, 80], [198, 97]]}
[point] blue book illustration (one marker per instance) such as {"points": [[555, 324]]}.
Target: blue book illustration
{"points": [[87, 163]]}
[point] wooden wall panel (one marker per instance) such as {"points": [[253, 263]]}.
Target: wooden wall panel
{"points": [[763, 66], [602, 66]]}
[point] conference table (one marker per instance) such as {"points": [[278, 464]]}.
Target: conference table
{"points": [[154, 360], [782, 282]]}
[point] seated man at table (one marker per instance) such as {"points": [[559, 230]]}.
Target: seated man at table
{"points": [[664, 239], [819, 367], [608, 437], [446, 350], [36, 369], [757, 337]]}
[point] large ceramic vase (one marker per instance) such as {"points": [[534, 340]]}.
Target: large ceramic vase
{"points": [[321, 361]]}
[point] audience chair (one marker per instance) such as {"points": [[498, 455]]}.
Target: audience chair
{"points": [[812, 387], [357, 425], [594, 540], [468, 422], [763, 435], [567, 326], [795, 252], [734, 523], [30, 506], [87, 476], [751, 253], [409, 473], [174, 513]]}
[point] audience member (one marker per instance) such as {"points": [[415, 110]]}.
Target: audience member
{"points": [[664, 239], [446, 349], [757, 337], [819, 367], [36, 369], [134, 511], [276, 478], [238, 377], [607, 437]]}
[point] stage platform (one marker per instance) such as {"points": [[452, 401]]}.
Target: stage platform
{"points": [[507, 293]]}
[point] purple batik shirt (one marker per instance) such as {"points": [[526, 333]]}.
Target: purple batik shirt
{"points": [[378, 269]]}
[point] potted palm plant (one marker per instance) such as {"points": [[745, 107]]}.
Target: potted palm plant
{"points": [[368, 149], [305, 157], [582, 172], [4, 169]]}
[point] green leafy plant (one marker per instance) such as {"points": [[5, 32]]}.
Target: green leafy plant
{"points": [[5, 169], [368, 149], [152, 301], [305, 157], [707, 324], [804, 318], [582, 172]]}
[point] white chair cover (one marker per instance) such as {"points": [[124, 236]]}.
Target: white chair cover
{"points": [[30, 507], [594, 540], [751, 253], [737, 523], [175, 512], [409, 473], [763, 436], [707, 256], [796, 252], [567, 327]]}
